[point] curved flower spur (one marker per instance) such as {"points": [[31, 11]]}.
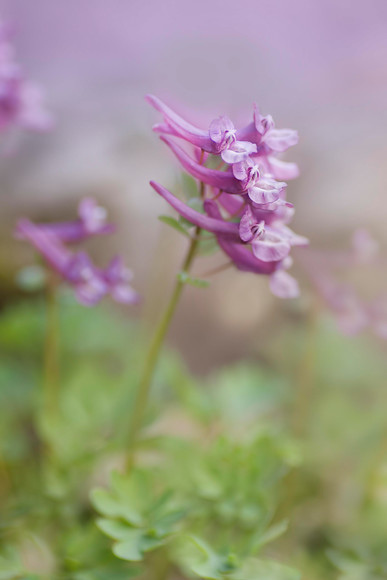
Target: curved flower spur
{"points": [[89, 282], [244, 203]]}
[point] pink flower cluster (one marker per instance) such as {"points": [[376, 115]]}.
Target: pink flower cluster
{"points": [[244, 202], [89, 282], [21, 101]]}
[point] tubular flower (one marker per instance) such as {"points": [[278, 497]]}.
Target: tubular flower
{"points": [[21, 101], [91, 222], [244, 205], [219, 139], [89, 282]]}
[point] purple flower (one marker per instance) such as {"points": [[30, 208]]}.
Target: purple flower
{"points": [[77, 269], [91, 222], [270, 142], [117, 276], [219, 139], [268, 139], [268, 253], [281, 283], [89, 282], [244, 177], [244, 205], [269, 242], [21, 101]]}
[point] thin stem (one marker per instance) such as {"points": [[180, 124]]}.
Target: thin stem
{"points": [[154, 351], [142, 395], [51, 350], [216, 270]]}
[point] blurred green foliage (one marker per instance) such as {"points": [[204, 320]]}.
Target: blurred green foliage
{"points": [[253, 472]]}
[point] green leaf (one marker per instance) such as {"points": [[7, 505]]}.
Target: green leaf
{"points": [[115, 529], [175, 224], [133, 548], [103, 501], [186, 279], [255, 569], [130, 549], [201, 559], [270, 535]]}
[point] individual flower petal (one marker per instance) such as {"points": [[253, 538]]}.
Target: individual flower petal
{"points": [[238, 151], [90, 287], [280, 139], [241, 256], [222, 132], [282, 170], [283, 285], [93, 216], [247, 172], [270, 246], [117, 276], [216, 226], [266, 190], [249, 227], [261, 123]]}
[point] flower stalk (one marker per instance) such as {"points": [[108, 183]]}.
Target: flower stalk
{"points": [[142, 395], [51, 350]]}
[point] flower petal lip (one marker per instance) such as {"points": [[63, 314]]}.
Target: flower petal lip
{"points": [[219, 179], [282, 169], [270, 247], [280, 140], [222, 131], [238, 151], [283, 285], [266, 190], [216, 226], [240, 254]]}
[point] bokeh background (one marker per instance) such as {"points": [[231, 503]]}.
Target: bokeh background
{"points": [[315, 65]]}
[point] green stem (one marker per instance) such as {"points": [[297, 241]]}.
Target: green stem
{"points": [[51, 351], [154, 351]]}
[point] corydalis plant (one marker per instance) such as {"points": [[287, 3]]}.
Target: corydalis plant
{"points": [[90, 283], [243, 200]]}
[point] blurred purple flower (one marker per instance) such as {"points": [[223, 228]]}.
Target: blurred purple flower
{"points": [[21, 101], [77, 269], [91, 222], [353, 313], [90, 283], [117, 276], [254, 233]]}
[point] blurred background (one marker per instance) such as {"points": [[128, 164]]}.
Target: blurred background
{"points": [[316, 65]]}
